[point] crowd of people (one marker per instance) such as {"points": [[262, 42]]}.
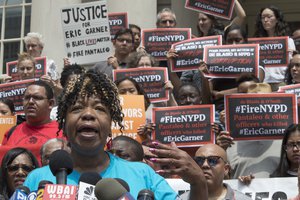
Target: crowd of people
{"points": [[74, 110]]}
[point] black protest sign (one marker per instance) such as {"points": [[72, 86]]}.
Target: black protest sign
{"points": [[291, 89], [218, 8], [273, 51], [151, 79], [190, 52], [186, 125], [157, 42], [15, 91], [259, 116], [229, 61], [40, 68], [117, 21]]}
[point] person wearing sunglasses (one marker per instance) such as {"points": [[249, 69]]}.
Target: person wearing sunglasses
{"points": [[212, 159], [38, 100], [15, 166]]}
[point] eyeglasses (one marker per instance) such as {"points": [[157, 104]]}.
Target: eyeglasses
{"points": [[290, 146], [122, 40], [211, 160], [166, 21], [35, 98], [15, 168]]}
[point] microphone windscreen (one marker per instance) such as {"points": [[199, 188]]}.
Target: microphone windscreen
{"points": [[43, 183], [109, 189], [60, 159], [91, 178], [145, 195], [23, 188], [123, 183]]}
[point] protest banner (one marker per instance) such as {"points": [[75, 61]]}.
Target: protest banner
{"points": [[190, 52], [259, 116], [158, 42], [218, 8], [117, 21], [15, 91], [6, 122], [40, 68], [151, 79], [133, 107], [273, 50], [229, 61], [186, 125], [260, 188], [86, 32], [291, 89]]}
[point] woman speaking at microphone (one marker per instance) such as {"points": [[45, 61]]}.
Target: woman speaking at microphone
{"points": [[86, 109]]}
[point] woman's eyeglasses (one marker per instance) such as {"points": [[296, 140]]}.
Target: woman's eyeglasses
{"points": [[290, 146], [14, 168]]}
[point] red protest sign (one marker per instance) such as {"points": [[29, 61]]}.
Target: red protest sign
{"points": [[218, 8], [291, 89], [157, 42], [40, 68], [186, 125], [259, 116], [151, 79], [229, 61], [117, 21], [190, 52], [15, 91], [273, 51]]}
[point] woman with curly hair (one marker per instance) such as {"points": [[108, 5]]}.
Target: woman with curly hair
{"points": [[270, 23], [15, 166], [87, 107]]}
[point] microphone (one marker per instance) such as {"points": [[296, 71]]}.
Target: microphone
{"points": [[61, 164], [32, 195], [90, 178], [87, 182], [24, 189], [53, 191], [111, 189], [20, 193], [123, 183], [145, 195], [41, 189]]}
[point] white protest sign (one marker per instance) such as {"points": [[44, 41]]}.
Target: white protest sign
{"points": [[260, 188], [86, 32]]}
